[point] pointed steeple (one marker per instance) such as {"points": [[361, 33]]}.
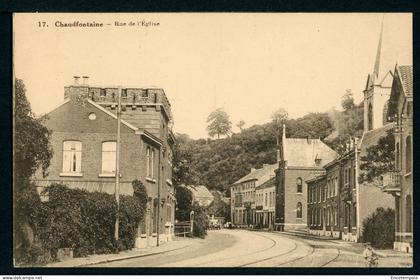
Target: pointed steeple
{"points": [[378, 52]]}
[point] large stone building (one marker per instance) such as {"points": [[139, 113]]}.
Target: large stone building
{"points": [[400, 182], [84, 137], [302, 159]]}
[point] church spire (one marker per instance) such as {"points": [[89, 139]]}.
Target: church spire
{"points": [[378, 52]]}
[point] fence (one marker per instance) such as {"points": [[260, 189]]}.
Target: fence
{"points": [[183, 229]]}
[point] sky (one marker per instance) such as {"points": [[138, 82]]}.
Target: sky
{"points": [[248, 64]]}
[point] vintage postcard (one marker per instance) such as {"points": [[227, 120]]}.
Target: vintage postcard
{"points": [[213, 140]]}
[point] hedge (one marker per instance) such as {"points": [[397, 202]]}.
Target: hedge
{"points": [[379, 228], [81, 220]]}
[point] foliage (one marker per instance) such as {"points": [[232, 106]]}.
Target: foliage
{"points": [[218, 207], [200, 221], [279, 117], [218, 123], [347, 101], [379, 158], [379, 228], [240, 124], [31, 150], [81, 220], [140, 192], [31, 140], [184, 203], [182, 174]]}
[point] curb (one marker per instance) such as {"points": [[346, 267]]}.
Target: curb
{"points": [[129, 257], [118, 258]]}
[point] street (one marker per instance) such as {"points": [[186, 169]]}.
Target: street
{"points": [[242, 248]]}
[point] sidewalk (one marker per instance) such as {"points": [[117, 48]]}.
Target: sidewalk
{"points": [[176, 244]]}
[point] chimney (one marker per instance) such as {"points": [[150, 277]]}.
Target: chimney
{"points": [[85, 80], [76, 80]]}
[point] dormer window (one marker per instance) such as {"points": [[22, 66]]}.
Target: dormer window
{"points": [[318, 161]]}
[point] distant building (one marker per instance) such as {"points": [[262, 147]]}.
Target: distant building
{"points": [[243, 198], [201, 195], [376, 93], [399, 183], [83, 139], [265, 203], [303, 159]]}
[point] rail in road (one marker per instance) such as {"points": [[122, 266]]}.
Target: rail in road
{"points": [[303, 254], [262, 249]]}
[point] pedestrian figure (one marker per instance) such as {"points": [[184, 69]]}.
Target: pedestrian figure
{"points": [[371, 258]]}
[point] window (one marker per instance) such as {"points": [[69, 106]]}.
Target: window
{"points": [[109, 154], [299, 185], [299, 210], [265, 201], [72, 156], [370, 117], [102, 92], [150, 154], [408, 218], [408, 154]]}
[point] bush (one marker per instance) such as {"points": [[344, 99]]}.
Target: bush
{"points": [[379, 228], [200, 221], [81, 220]]}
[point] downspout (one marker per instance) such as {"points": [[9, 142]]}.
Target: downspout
{"points": [[356, 157], [158, 203]]}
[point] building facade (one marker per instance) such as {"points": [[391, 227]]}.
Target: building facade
{"points": [[84, 138], [303, 159], [265, 202], [324, 202], [243, 195], [399, 183]]}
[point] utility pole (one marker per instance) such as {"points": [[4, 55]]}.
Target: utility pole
{"points": [[117, 164]]}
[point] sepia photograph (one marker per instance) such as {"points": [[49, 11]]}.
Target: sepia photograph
{"points": [[197, 140]]}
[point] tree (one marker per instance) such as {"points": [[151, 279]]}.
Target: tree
{"points": [[31, 150], [379, 158], [279, 117], [31, 140], [347, 101], [218, 123], [183, 203], [182, 161], [240, 124]]}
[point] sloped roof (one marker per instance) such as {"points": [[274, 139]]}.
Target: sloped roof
{"points": [[406, 76], [302, 152], [261, 175], [371, 137], [200, 191], [267, 184]]}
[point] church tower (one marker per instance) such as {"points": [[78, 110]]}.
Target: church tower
{"points": [[376, 93]]}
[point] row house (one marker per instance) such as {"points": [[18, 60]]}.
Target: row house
{"points": [[84, 138], [265, 202], [399, 182], [243, 195], [324, 202]]}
